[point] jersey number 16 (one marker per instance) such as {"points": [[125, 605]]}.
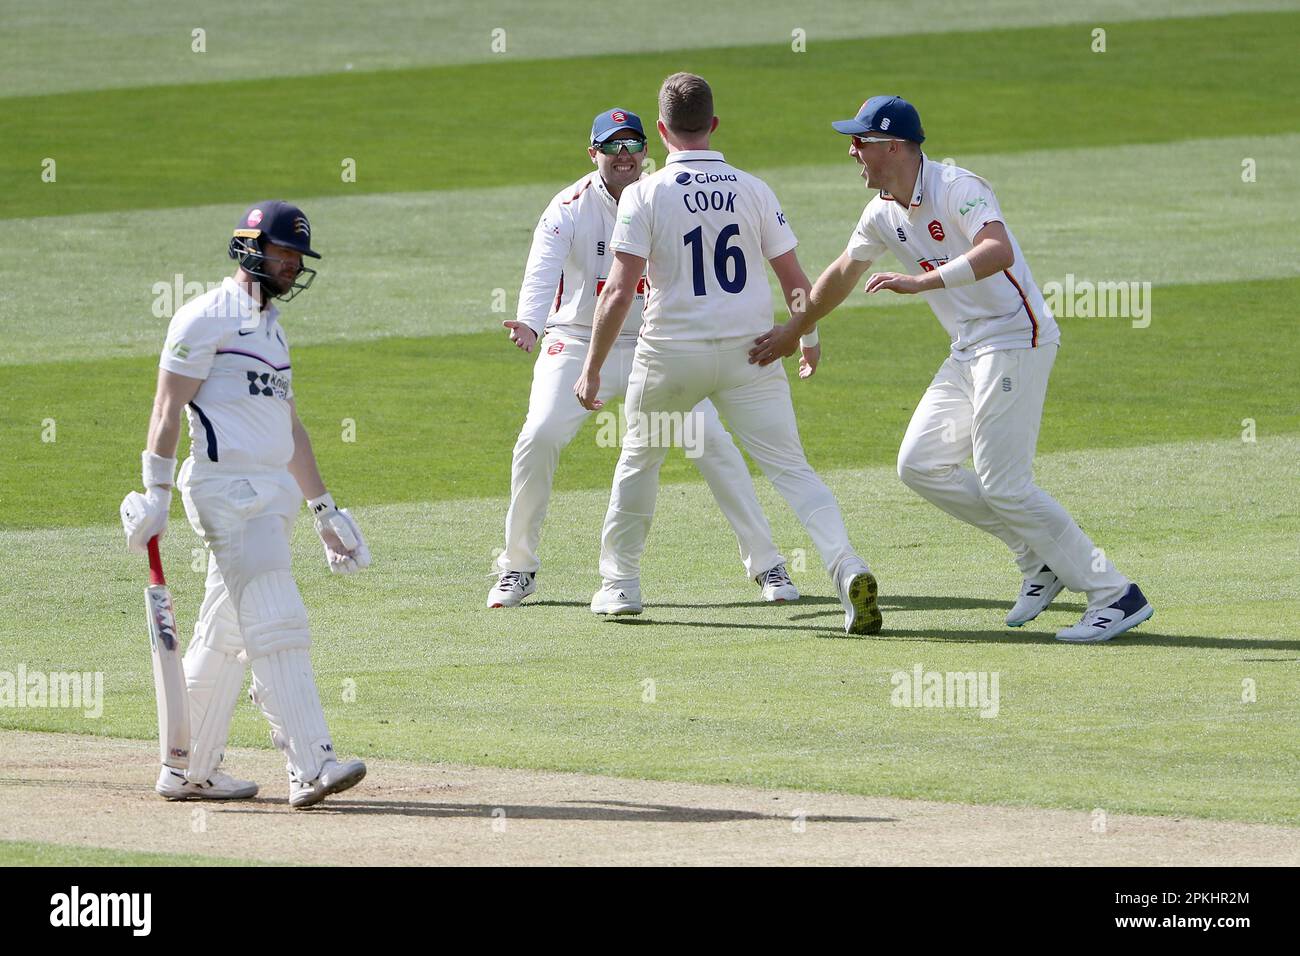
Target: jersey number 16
{"points": [[722, 253]]}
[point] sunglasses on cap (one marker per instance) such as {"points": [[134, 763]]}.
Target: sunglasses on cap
{"points": [[611, 147]]}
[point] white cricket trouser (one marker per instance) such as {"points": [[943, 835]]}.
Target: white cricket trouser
{"points": [[554, 417], [989, 409], [252, 614], [672, 379]]}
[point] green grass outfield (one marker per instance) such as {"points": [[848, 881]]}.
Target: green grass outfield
{"points": [[29, 853], [1125, 165]]}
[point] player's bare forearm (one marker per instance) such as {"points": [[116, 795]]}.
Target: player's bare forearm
{"points": [[833, 286], [796, 288], [992, 251], [303, 465], [174, 392]]}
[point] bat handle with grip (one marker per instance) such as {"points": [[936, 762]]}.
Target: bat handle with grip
{"points": [[155, 563]]}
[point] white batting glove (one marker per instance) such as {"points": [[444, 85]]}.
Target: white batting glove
{"points": [[145, 515], [345, 549]]}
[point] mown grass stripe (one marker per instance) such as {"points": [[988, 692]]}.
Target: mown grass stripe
{"points": [[433, 128]]}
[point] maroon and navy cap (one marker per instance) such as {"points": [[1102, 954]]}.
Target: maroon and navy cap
{"points": [[280, 222]]}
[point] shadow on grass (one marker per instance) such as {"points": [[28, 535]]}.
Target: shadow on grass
{"points": [[900, 604], [583, 811]]}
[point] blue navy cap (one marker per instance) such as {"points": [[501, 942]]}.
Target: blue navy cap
{"points": [[611, 121], [280, 222], [885, 114]]}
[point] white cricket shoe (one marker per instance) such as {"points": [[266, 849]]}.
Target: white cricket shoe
{"points": [[1106, 622], [857, 589], [334, 777], [1036, 593], [617, 597], [511, 588], [220, 786], [777, 586]]}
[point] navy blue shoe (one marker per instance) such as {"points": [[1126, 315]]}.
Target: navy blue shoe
{"points": [[1107, 622]]}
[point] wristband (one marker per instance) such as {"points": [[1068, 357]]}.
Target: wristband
{"points": [[956, 272], [324, 503], [157, 470], [809, 340]]}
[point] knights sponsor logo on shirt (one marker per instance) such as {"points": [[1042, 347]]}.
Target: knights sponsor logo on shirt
{"points": [[268, 384]]}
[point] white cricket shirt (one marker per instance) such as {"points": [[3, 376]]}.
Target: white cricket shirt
{"points": [[949, 206], [569, 261], [240, 414], [707, 230]]}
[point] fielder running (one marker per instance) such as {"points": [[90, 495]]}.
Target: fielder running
{"points": [[986, 402], [706, 229], [251, 463], [567, 268]]}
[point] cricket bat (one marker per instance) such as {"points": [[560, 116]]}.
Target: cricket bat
{"points": [[168, 671]]}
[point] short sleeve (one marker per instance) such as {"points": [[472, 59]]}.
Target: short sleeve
{"points": [[778, 238], [632, 230], [972, 206], [865, 245], [192, 341]]}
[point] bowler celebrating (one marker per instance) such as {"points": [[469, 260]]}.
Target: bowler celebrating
{"points": [[986, 402], [566, 272], [707, 230]]}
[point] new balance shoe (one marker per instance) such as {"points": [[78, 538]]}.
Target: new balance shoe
{"points": [[617, 597], [173, 785], [511, 588], [1036, 593], [858, 595], [777, 586], [1106, 622], [334, 777]]}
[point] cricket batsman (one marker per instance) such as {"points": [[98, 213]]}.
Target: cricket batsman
{"points": [[226, 363], [706, 230], [567, 269], [986, 402]]}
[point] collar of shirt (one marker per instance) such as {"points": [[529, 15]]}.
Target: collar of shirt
{"points": [[247, 304], [918, 194], [604, 190], [695, 155]]}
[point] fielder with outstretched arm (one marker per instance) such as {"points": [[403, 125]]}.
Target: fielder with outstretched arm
{"points": [[566, 272], [226, 362], [986, 402]]}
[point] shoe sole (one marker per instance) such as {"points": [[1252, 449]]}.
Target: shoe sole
{"points": [[182, 798], [1141, 616], [866, 618], [1046, 604], [620, 612]]}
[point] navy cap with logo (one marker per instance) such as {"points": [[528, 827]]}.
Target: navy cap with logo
{"points": [[279, 222], [885, 114], [611, 121]]}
